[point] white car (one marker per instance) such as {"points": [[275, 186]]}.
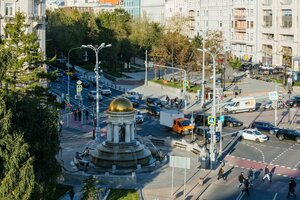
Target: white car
{"points": [[104, 90], [133, 94], [139, 118], [92, 95], [253, 134]]}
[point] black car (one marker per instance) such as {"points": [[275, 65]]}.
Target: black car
{"points": [[201, 120], [154, 101], [293, 102], [265, 127], [203, 133], [154, 110], [288, 134], [134, 101], [232, 122]]}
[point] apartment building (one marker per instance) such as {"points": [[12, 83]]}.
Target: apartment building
{"points": [[280, 31], [133, 7], [153, 10], [35, 11]]}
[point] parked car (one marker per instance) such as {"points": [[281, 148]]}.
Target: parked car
{"points": [[154, 110], [293, 102], [154, 101], [104, 90], [265, 127], [232, 122], [139, 118], [203, 133], [288, 134], [92, 95], [253, 134], [270, 105], [134, 101]]}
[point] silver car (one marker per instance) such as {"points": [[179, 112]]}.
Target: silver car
{"points": [[92, 95], [104, 90]]}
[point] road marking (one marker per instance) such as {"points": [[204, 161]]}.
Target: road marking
{"points": [[238, 197], [261, 152], [275, 196], [282, 154], [296, 166]]}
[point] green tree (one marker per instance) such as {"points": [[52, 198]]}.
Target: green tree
{"points": [[89, 189], [235, 63], [16, 169]]}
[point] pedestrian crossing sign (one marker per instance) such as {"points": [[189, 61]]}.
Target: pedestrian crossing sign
{"points": [[211, 120], [185, 83]]}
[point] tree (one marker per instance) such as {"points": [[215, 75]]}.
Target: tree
{"points": [[89, 189], [235, 63], [17, 177]]}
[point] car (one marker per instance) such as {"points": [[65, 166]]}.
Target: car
{"points": [[84, 83], [134, 101], [293, 102], [270, 105], [154, 110], [104, 90], [154, 101], [77, 76], [288, 134], [92, 95], [201, 120], [232, 122], [253, 134], [264, 127], [139, 118], [133, 94], [203, 133]]}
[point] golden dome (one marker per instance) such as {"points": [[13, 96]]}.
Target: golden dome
{"points": [[120, 104]]}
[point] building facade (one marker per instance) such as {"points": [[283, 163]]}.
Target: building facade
{"points": [[133, 7], [153, 10], [35, 12], [279, 31]]}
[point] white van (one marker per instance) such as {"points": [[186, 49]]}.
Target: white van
{"points": [[241, 104]]}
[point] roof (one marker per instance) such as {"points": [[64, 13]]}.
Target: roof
{"points": [[113, 2]]}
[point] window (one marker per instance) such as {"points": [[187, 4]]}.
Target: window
{"points": [[251, 24], [9, 9], [286, 18]]}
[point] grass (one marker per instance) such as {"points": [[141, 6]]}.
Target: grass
{"points": [[177, 85], [122, 194], [61, 190]]}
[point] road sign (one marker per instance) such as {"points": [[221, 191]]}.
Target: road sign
{"points": [[79, 82], [222, 118], [185, 83], [78, 88], [67, 97], [211, 120], [273, 96]]}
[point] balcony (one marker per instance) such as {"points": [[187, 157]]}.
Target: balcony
{"points": [[286, 2]]}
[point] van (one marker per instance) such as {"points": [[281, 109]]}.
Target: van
{"points": [[241, 104]]}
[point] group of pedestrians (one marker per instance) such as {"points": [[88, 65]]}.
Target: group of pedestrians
{"points": [[176, 101], [77, 114]]}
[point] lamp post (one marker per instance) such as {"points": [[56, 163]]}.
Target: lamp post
{"points": [[213, 128], [96, 49]]}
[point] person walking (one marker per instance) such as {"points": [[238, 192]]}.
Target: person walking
{"points": [[75, 114], [267, 174], [79, 114], [251, 176], [72, 193], [241, 179], [87, 114], [246, 186], [221, 174], [292, 185]]}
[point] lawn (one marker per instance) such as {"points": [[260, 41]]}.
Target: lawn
{"points": [[177, 85], [122, 194]]}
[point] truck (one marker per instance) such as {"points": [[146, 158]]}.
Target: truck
{"points": [[241, 104], [176, 121]]}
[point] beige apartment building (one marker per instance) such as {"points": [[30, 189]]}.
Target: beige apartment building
{"points": [[35, 11], [280, 31]]}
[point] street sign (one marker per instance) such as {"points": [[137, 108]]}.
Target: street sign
{"points": [[79, 82], [78, 88], [222, 118], [67, 97], [185, 83], [273, 96], [211, 120], [180, 162]]}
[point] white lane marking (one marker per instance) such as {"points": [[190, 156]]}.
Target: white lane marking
{"points": [[238, 197], [296, 166], [243, 193], [261, 152], [282, 154], [275, 196]]}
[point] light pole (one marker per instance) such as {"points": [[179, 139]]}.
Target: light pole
{"points": [[96, 49], [213, 128]]}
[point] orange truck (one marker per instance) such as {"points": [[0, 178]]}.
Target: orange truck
{"points": [[175, 120]]}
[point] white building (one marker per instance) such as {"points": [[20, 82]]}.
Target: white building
{"points": [[154, 10], [81, 3], [279, 31], [35, 11]]}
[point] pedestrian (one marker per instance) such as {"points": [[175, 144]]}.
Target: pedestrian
{"points": [[246, 186], [167, 99], [94, 134], [267, 174], [75, 114], [86, 114], [72, 193], [251, 176], [79, 114], [241, 179], [292, 185], [221, 174]]}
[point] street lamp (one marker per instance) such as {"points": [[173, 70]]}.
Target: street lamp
{"points": [[212, 128], [96, 49]]}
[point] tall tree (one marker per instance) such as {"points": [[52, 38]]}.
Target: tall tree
{"points": [[89, 189]]}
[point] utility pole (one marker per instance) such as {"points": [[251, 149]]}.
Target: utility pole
{"points": [[276, 104], [146, 68]]}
